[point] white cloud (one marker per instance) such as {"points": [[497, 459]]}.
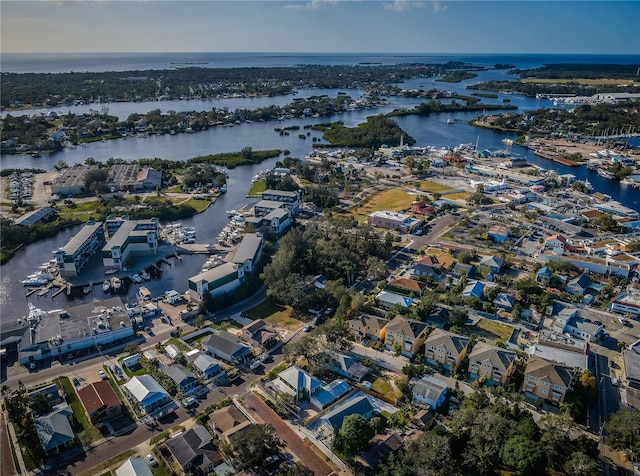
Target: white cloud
{"points": [[439, 6], [403, 5], [310, 5]]}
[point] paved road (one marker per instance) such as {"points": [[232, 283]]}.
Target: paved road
{"points": [[300, 448]]}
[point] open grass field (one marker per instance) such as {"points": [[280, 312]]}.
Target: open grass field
{"points": [[199, 205], [493, 330], [257, 188], [384, 387], [433, 187], [392, 199], [279, 316], [458, 196], [586, 81], [80, 211]]}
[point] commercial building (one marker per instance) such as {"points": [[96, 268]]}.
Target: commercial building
{"points": [[392, 221], [129, 238], [72, 181], [75, 255], [249, 252], [40, 215], [216, 281], [132, 177], [88, 328], [626, 302]]}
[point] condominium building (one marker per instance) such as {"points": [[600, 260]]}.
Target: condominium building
{"points": [[131, 238], [78, 251]]}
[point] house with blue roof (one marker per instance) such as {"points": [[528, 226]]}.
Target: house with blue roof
{"points": [[359, 403], [298, 383], [505, 301], [388, 299], [578, 286], [327, 395], [544, 275], [474, 289]]}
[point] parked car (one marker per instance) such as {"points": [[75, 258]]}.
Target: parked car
{"points": [[102, 374], [307, 328], [187, 402], [152, 460]]}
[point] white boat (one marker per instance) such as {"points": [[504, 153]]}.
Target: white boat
{"points": [[116, 283], [144, 275], [451, 120], [110, 271], [136, 278], [605, 174], [38, 279]]}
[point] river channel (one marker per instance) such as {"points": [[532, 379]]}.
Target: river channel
{"points": [[432, 130]]}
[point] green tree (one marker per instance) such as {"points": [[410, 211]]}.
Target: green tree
{"points": [[524, 455], [579, 464], [355, 433], [623, 430], [249, 448]]}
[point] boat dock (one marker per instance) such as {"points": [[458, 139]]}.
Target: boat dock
{"points": [[208, 249]]}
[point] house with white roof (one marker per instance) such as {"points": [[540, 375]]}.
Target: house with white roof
{"points": [[430, 390], [134, 467], [146, 393]]}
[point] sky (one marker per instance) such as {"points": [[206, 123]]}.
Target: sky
{"points": [[323, 26]]}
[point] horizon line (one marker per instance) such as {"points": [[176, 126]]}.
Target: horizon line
{"points": [[395, 53]]}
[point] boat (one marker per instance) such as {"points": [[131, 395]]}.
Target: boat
{"points": [[223, 189], [38, 279], [603, 173], [144, 275], [35, 154], [232, 213], [507, 141], [136, 278], [116, 283], [110, 271], [451, 120], [106, 285]]}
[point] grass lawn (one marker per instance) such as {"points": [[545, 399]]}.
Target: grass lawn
{"points": [[263, 310], [493, 330], [179, 344], [81, 211], [275, 315], [392, 199], [110, 462], [160, 437], [587, 81], [457, 195], [257, 188], [384, 387], [433, 187], [89, 432]]}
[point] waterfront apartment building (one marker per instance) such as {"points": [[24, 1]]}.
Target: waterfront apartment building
{"points": [[249, 252], [292, 200], [216, 281], [129, 238], [78, 251], [392, 221]]}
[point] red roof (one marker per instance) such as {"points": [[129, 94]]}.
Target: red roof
{"points": [[97, 396]]}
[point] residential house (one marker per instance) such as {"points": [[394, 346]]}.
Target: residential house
{"points": [[146, 392], [50, 391], [408, 334], [184, 380], [409, 286], [494, 263], [132, 362], [556, 243], [499, 233], [421, 208], [579, 285], [445, 348], [256, 333], [367, 326], [544, 275], [568, 322], [359, 403], [430, 390], [207, 366], [382, 446], [349, 367], [387, 300], [134, 467], [194, 450], [493, 364], [473, 289], [228, 421], [298, 383], [326, 395], [227, 347], [424, 271], [54, 429], [100, 401], [460, 269], [439, 318], [505, 301], [546, 380]]}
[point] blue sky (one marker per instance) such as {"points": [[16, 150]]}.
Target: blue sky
{"points": [[401, 26]]}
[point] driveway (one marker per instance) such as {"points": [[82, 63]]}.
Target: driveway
{"points": [[304, 451]]}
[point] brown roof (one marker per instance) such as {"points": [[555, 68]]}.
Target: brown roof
{"points": [[553, 373], [410, 284], [591, 213], [98, 395], [226, 418]]}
